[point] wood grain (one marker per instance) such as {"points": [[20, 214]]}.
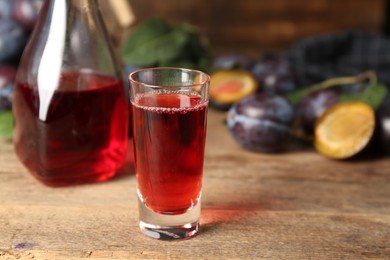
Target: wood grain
{"points": [[297, 205]]}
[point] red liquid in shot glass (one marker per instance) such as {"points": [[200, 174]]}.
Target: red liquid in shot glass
{"points": [[169, 133], [83, 137]]}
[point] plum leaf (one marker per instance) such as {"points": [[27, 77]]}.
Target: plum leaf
{"points": [[373, 96], [157, 43], [6, 124]]}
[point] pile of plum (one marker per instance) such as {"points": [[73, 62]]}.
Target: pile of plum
{"points": [[17, 19], [260, 121], [270, 117]]}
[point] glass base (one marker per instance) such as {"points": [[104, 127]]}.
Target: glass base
{"points": [[168, 227]]}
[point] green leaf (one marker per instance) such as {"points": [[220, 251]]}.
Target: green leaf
{"points": [[296, 96], [6, 124], [143, 34], [373, 96], [155, 43], [179, 63]]}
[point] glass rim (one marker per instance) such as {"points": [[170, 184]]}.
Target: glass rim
{"points": [[204, 81]]}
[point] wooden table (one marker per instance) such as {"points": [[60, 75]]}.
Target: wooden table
{"points": [[298, 205]]}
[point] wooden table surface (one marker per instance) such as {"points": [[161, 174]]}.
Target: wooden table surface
{"points": [[297, 205]]}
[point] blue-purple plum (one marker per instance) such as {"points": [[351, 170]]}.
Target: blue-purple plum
{"points": [[261, 122], [7, 78], [383, 118], [12, 40], [233, 61], [274, 75], [5, 10], [26, 12], [313, 106]]}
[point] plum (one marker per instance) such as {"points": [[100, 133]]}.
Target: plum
{"points": [[261, 122], [25, 12], [345, 130], [354, 88], [7, 77], [12, 41], [6, 97], [233, 61], [383, 118], [229, 86], [313, 105], [128, 68], [275, 75], [5, 9]]}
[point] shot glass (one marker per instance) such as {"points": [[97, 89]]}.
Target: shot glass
{"points": [[169, 107]]}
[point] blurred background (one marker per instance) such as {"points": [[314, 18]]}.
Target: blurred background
{"points": [[201, 33], [247, 26], [253, 27]]}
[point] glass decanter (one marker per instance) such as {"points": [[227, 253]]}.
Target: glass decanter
{"points": [[70, 108]]}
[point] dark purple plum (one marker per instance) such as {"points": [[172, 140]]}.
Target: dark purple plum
{"points": [[12, 40], [261, 122], [383, 118], [25, 12], [6, 94], [233, 61], [7, 78], [5, 9], [313, 105], [274, 75], [128, 68], [354, 88]]}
